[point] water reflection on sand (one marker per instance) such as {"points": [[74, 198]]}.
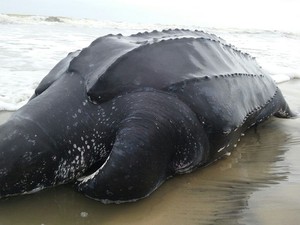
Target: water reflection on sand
{"points": [[258, 184]]}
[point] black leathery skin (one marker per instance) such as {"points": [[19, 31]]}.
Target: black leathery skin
{"points": [[126, 113]]}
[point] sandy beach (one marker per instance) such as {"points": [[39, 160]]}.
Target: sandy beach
{"points": [[258, 184]]}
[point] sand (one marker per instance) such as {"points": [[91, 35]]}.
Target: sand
{"points": [[258, 184]]}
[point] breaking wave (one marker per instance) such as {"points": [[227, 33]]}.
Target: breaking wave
{"points": [[50, 20]]}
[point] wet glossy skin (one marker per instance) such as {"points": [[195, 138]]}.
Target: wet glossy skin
{"points": [[127, 113]]}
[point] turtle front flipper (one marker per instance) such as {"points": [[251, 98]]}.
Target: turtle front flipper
{"points": [[159, 137]]}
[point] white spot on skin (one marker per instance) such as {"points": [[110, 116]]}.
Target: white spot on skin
{"points": [[83, 103], [227, 132], [32, 142], [221, 149], [228, 153]]}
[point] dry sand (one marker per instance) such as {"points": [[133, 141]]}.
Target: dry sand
{"points": [[258, 184]]}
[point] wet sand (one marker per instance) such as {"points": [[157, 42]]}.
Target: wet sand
{"points": [[258, 184]]}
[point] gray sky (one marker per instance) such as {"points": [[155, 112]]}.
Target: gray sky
{"points": [[269, 14]]}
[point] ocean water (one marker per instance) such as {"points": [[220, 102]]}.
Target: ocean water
{"points": [[31, 45]]}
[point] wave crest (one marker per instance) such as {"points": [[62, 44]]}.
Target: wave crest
{"points": [[49, 20]]}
